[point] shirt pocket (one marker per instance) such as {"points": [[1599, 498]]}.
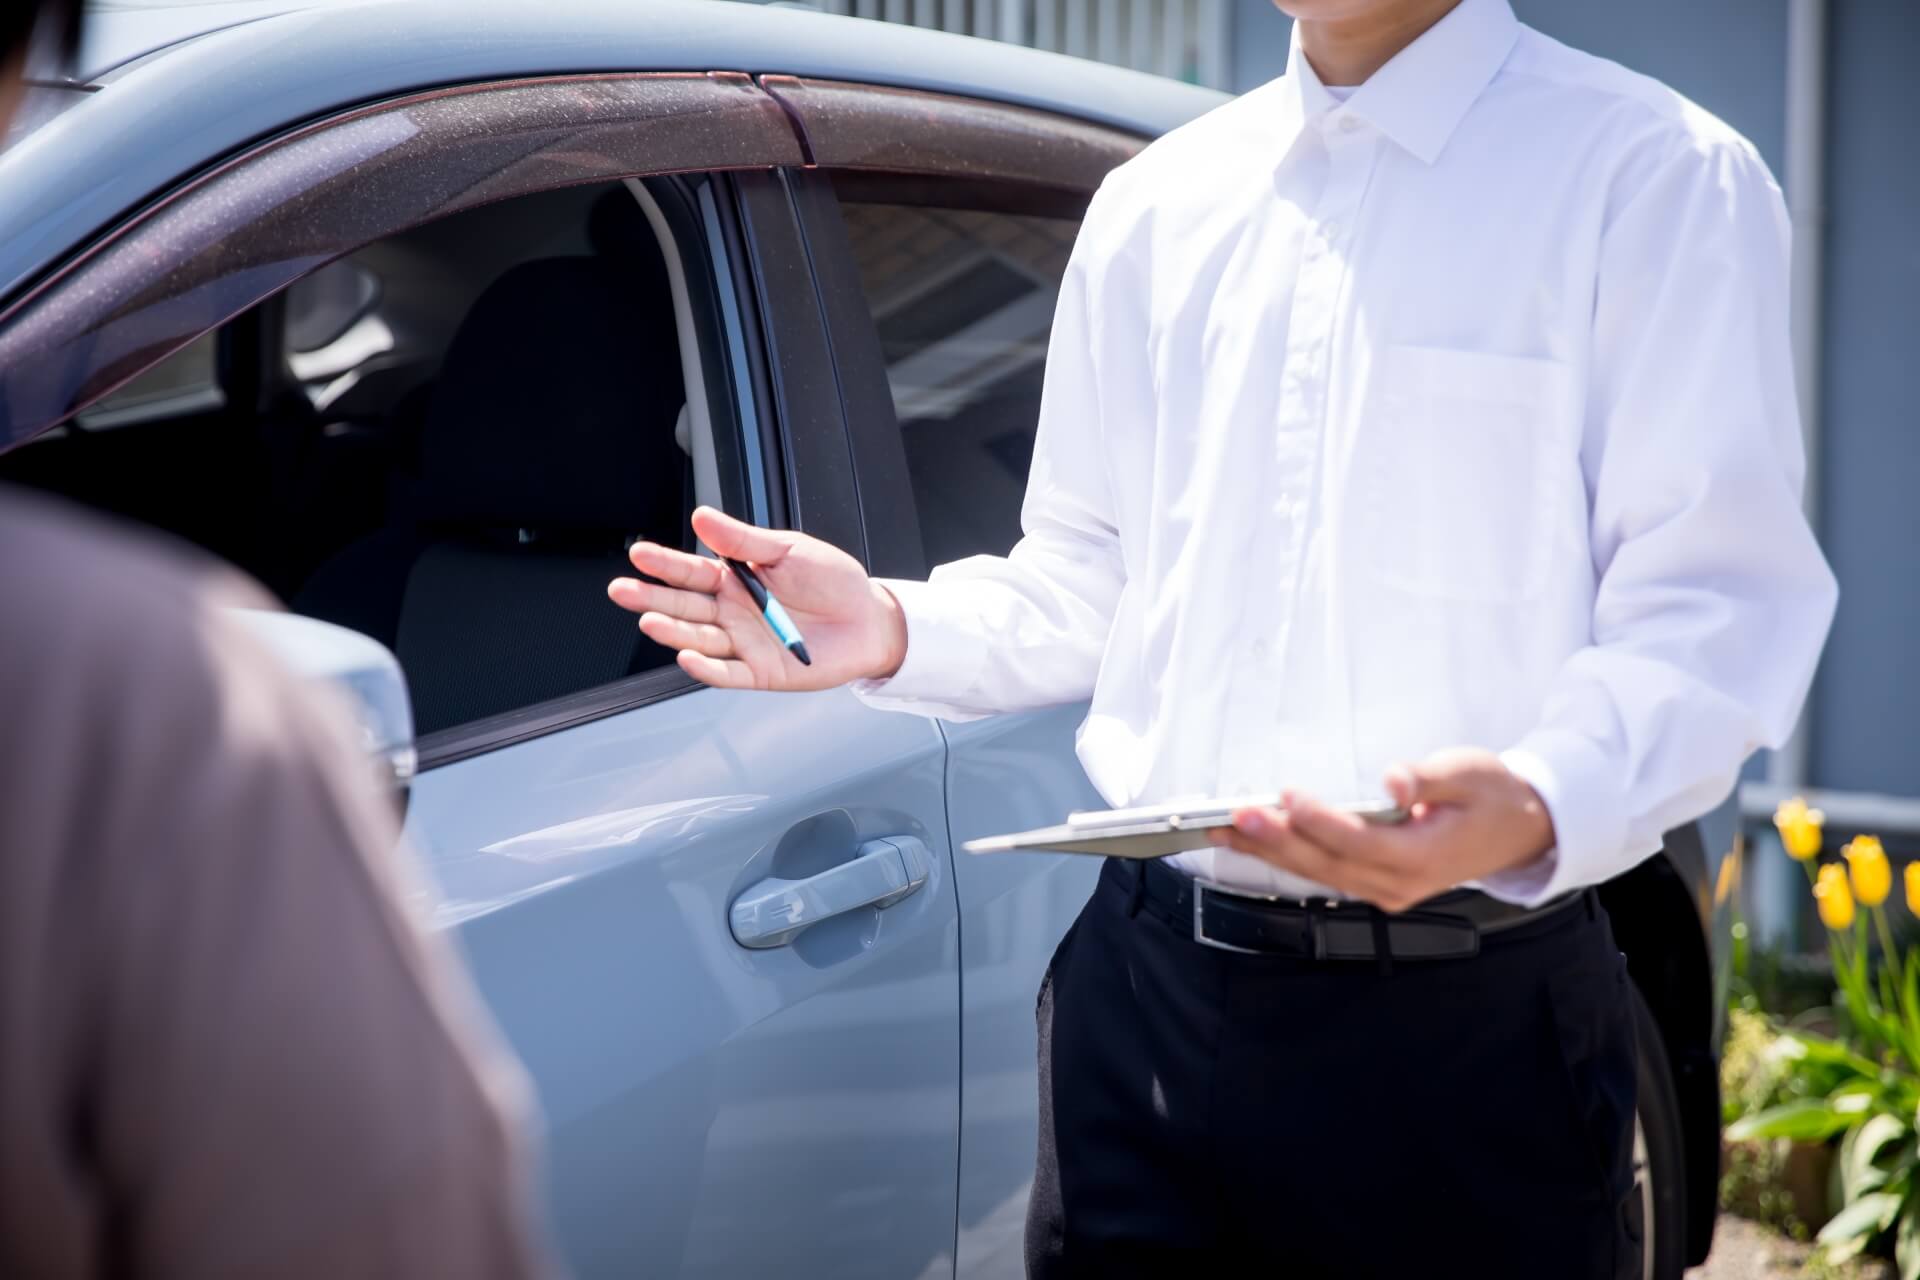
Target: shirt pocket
{"points": [[1453, 465]]}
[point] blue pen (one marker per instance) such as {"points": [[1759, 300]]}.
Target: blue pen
{"points": [[770, 610]]}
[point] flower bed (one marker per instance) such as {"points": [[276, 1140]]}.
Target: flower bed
{"points": [[1822, 1111]]}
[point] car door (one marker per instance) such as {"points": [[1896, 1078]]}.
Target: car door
{"points": [[939, 228], [732, 1086], [719, 927]]}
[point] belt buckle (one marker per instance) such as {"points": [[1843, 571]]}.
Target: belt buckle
{"points": [[1200, 892]]}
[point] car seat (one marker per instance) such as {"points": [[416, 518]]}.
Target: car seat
{"points": [[546, 449]]}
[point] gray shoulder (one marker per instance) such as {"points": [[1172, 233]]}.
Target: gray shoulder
{"points": [[122, 638], [70, 572]]}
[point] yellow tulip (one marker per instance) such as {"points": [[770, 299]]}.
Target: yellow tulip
{"points": [[1799, 828], [1913, 887], [1834, 898], [1867, 867]]}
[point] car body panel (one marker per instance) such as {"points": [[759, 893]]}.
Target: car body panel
{"points": [[712, 1110], [1007, 773], [118, 34], [156, 122]]}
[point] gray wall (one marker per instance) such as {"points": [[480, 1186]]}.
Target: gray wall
{"points": [[1259, 43], [1730, 56], [1866, 723]]}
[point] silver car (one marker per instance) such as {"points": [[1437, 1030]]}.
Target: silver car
{"points": [[421, 313]]}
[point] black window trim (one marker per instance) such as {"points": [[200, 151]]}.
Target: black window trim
{"points": [[820, 492], [913, 144], [889, 513]]}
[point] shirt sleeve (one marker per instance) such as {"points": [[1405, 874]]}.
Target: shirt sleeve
{"points": [[1003, 633], [1713, 599]]}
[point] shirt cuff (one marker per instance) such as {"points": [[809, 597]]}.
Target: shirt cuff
{"points": [[945, 649], [1581, 790]]}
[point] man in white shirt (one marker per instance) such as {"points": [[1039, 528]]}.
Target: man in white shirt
{"points": [[1430, 434]]}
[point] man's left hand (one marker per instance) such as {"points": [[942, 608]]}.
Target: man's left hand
{"points": [[1469, 817]]}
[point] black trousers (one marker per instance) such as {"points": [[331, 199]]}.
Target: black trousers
{"points": [[1203, 1110]]}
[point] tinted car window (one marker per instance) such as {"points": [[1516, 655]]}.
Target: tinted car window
{"points": [[962, 298], [445, 440]]}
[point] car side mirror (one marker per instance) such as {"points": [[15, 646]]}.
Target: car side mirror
{"points": [[359, 667]]}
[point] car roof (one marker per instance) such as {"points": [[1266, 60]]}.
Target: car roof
{"points": [[120, 31], [182, 86]]}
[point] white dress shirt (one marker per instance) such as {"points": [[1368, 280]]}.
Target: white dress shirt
{"points": [[1458, 412]]}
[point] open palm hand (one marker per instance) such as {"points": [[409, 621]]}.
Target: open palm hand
{"points": [[700, 608]]}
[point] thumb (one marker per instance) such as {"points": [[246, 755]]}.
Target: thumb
{"points": [[1436, 780], [740, 540]]}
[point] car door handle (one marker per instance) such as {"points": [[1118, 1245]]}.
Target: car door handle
{"points": [[772, 912]]}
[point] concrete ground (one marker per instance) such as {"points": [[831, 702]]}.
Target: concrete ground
{"points": [[1745, 1251]]}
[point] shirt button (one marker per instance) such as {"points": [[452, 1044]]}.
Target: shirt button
{"points": [[1260, 647], [1349, 123], [1329, 231]]}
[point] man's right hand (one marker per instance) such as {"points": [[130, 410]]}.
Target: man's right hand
{"points": [[852, 625]]}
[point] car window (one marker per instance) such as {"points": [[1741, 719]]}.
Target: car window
{"points": [[446, 440], [186, 382], [961, 290]]}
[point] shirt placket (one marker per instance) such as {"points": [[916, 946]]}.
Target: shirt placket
{"points": [[1299, 431]]}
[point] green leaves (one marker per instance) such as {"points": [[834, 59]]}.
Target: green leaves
{"points": [[1805, 1119], [1806, 1047], [1906, 1244], [1858, 1088], [1860, 1170], [1855, 1226]]}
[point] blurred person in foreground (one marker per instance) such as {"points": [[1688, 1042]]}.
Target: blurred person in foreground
{"points": [[225, 1049], [1420, 423]]}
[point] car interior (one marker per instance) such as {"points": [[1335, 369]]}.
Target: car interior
{"points": [[445, 440]]}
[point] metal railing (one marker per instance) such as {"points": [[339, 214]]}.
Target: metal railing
{"points": [[1184, 39], [1775, 898], [1887, 816]]}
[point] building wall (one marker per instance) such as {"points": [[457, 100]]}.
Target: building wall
{"points": [[1866, 723], [1259, 44]]}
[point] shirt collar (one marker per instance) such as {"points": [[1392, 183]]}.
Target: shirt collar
{"points": [[1423, 93]]}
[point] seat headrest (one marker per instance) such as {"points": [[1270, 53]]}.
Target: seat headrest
{"points": [[555, 406]]}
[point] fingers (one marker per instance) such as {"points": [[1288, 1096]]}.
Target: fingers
{"points": [[1299, 856], [727, 673], [701, 637], [1278, 837], [1347, 835], [739, 539], [641, 597], [1453, 776], [1402, 787], [677, 568]]}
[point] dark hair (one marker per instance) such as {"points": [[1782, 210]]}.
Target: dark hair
{"points": [[59, 20]]}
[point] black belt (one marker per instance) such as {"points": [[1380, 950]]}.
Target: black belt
{"points": [[1447, 927]]}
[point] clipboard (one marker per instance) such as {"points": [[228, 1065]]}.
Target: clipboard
{"points": [[1151, 831]]}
